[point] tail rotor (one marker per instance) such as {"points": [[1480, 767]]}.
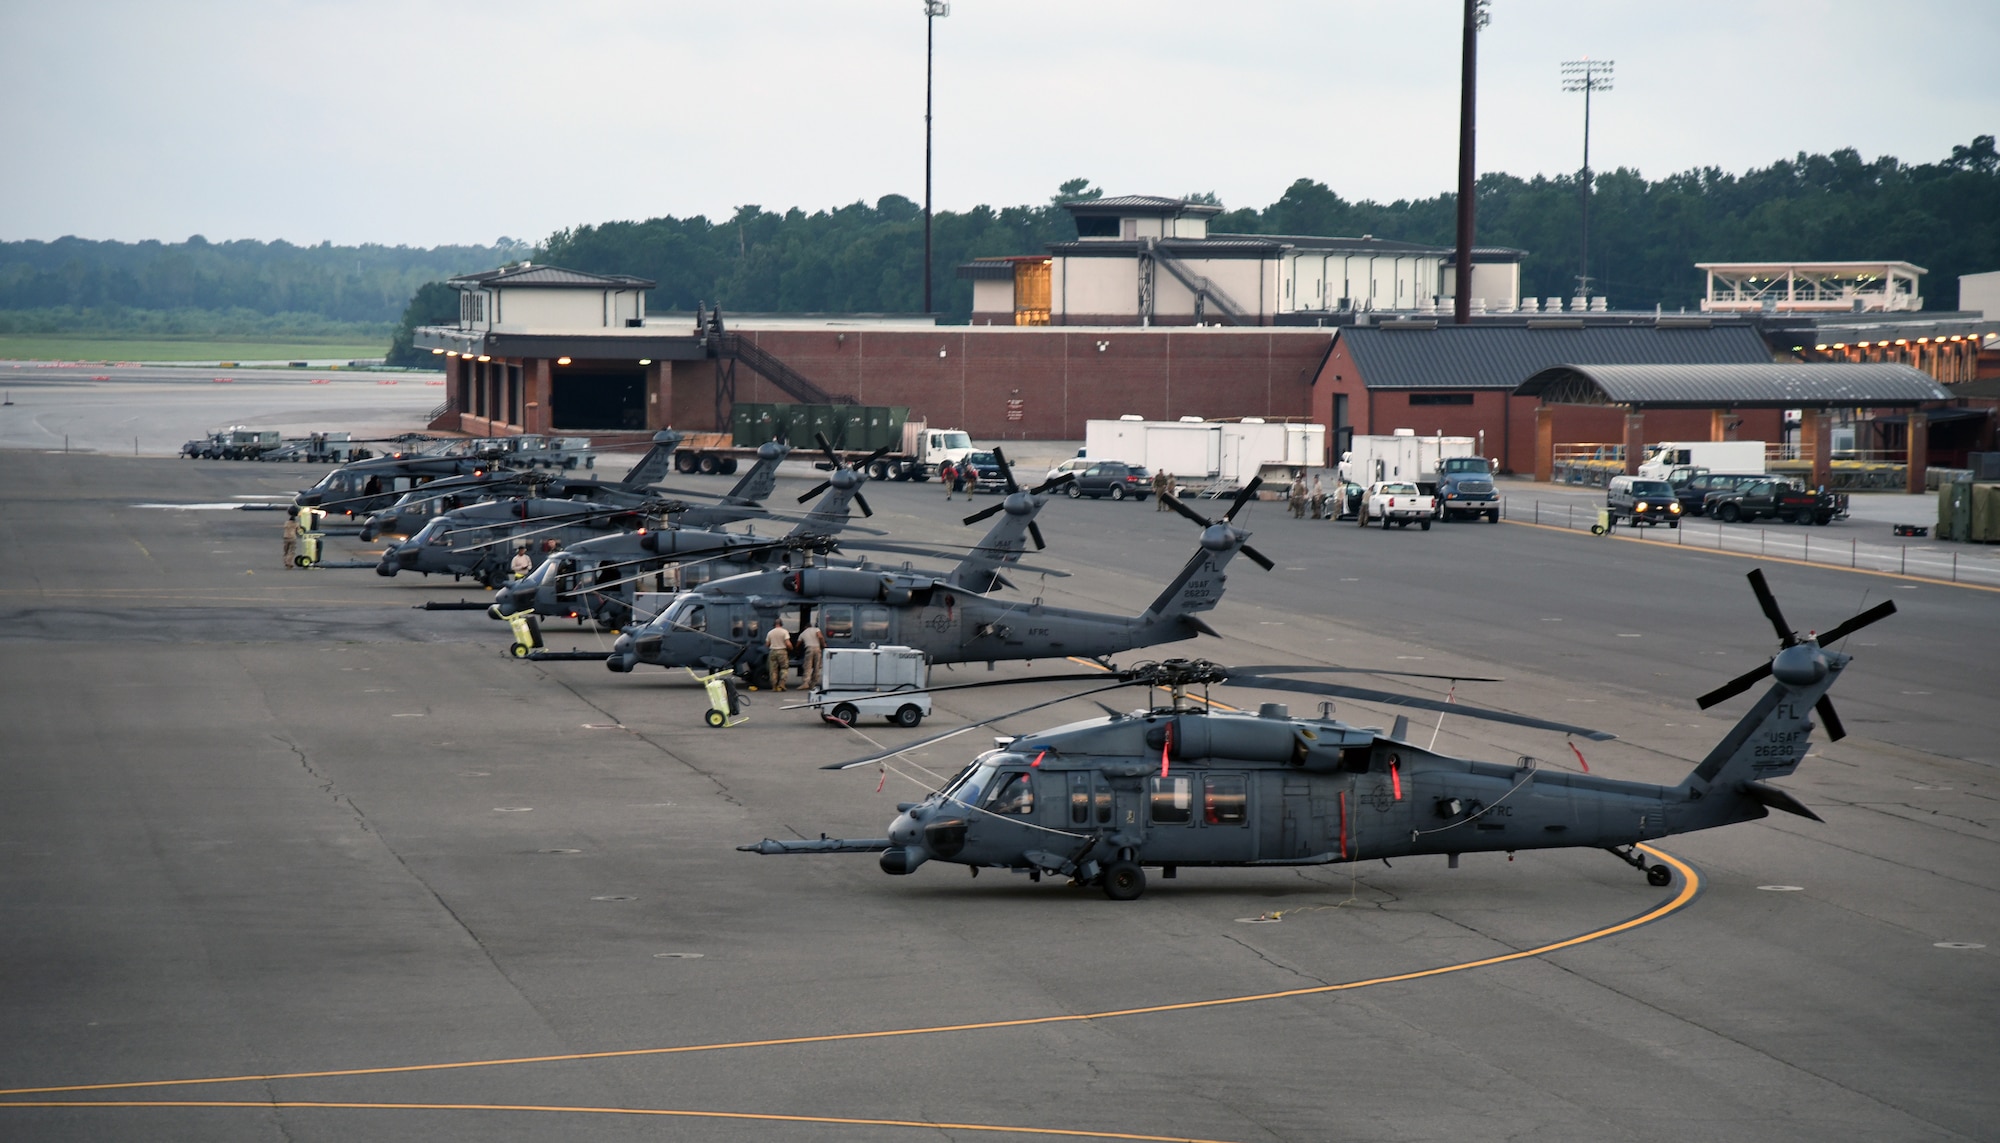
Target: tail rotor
{"points": [[1799, 662]]}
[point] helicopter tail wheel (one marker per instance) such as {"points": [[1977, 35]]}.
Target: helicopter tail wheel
{"points": [[1659, 875], [715, 718], [1124, 881]]}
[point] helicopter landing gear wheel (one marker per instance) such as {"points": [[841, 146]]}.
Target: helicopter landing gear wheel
{"points": [[907, 715], [845, 714], [1124, 881], [518, 650], [1659, 875], [715, 718]]}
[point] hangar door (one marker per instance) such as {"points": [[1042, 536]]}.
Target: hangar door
{"points": [[598, 399]]}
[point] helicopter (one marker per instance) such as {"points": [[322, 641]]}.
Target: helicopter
{"points": [[598, 579], [717, 627], [364, 486], [1098, 801]]}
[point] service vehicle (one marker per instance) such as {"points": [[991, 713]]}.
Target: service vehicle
{"points": [[1464, 488], [1716, 456], [886, 682], [898, 448], [1781, 500], [1398, 502], [1112, 478], [1638, 500], [1692, 485]]}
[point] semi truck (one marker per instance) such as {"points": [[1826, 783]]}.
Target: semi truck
{"points": [[855, 431], [1220, 454]]}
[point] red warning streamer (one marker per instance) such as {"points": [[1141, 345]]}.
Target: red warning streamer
{"points": [[1579, 757], [1396, 778]]}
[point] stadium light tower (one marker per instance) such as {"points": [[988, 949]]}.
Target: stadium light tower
{"points": [[1586, 75], [1476, 18], [932, 10]]}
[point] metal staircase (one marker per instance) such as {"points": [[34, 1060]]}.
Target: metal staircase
{"points": [[729, 348], [1205, 291]]}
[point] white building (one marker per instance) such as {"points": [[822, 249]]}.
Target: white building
{"points": [[542, 299], [1146, 260], [1810, 287]]}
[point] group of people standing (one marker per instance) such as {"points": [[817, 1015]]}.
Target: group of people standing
{"points": [[1302, 498], [780, 642]]}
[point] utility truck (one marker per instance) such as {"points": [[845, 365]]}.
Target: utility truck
{"points": [[886, 682], [1218, 454], [1665, 458], [1446, 468]]}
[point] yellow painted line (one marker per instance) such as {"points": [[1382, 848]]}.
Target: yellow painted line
{"points": [[1059, 1132], [1904, 577], [142, 549], [1691, 885]]}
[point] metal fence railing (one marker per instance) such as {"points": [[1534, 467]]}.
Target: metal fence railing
{"points": [[1929, 559]]}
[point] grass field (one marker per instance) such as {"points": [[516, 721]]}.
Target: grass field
{"points": [[66, 347]]}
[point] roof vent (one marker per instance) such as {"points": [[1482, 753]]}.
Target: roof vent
{"points": [[1410, 324], [1555, 323]]}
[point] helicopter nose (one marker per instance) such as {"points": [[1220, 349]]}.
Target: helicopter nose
{"points": [[308, 500], [621, 659], [905, 830], [503, 603], [368, 531], [903, 859]]}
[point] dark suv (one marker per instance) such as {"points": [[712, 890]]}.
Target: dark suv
{"points": [[982, 472], [1112, 478], [1693, 491], [1643, 501]]}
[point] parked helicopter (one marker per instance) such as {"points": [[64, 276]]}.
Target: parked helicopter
{"points": [[599, 578], [1099, 800], [717, 626]]}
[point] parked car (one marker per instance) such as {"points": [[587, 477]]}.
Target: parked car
{"points": [[1074, 466], [1692, 488], [1782, 500], [1642, 501], [1112, 478], [1398, 502], [1344, 500]]}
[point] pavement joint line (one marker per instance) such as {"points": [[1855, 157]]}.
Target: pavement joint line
{"points": [[1902, 576], [679, 1113], [1690, 888]]}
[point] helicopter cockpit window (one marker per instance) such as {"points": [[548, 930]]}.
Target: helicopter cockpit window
{"points": [[1173, 801], [1087, 789], [974, 779], [837, 621], [1225, 800], [874, 625], [1015, 794]]}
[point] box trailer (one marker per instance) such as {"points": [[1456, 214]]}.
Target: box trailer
{"points": [[1217, 453]]}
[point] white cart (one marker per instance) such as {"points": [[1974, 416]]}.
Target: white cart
{"points": [[856, 681]]}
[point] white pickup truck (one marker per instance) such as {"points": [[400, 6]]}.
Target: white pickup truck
{"points": [[1397, 502]]}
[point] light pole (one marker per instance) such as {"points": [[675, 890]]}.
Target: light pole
{"points": [[1586, 75], [1476, 18], [932, 10]]}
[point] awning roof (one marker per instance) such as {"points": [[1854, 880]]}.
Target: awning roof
{"points": [[1759, 386]]}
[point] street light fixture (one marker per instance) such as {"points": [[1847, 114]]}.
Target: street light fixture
{"points": [[932, 10], [1586, 75]]}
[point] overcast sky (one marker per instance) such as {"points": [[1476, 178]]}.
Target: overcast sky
{"points": [[426, 123]]}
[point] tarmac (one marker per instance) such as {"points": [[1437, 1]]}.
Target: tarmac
{"points": [[283, 858]]}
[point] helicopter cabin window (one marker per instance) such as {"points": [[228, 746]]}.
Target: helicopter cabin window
{"points": [[1015, 794], [1087, 789], [874, 625], [1225, 800], [1173, 801], [837, 621]]}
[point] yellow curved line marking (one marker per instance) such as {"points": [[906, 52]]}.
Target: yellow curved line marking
{"points": [[677, 1113], [1691, 885]]}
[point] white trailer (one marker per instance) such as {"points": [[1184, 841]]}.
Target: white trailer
{"points": [[1402, 455], [1734, 457], [1220, 453], [856, 681]]}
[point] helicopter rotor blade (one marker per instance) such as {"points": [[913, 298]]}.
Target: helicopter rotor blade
{"points": [[1049, 485], [1006, 470], [1257, 557], [826, 446], [983, 513], [1733, 687], [1244, 497], [936, 738], [1843, 629], [1390, 698], [1769, 602], [1831, 721], [1301, 670], [1175, 503], [815, 490], [1035, 531], [861, 502]]}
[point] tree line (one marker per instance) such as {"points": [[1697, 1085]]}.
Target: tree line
{"points": [[1646, 235]]}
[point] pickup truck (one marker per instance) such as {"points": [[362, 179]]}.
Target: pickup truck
{"points": [[1775, 499], [1397, 502]]}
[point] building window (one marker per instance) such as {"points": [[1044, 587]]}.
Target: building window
{"points": [[1440, 398], [1097, 228]]}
